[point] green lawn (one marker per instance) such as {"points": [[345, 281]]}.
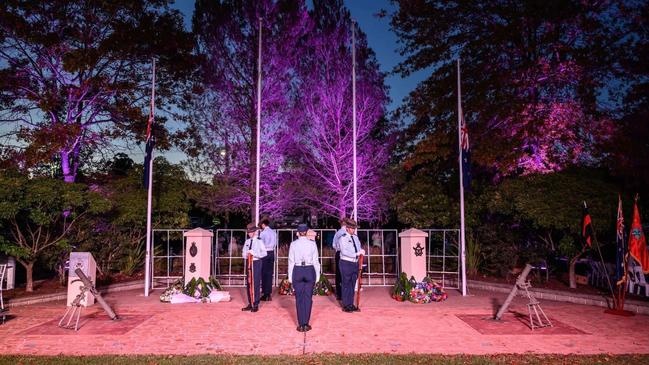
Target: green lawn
{"points": [[373, 359]]}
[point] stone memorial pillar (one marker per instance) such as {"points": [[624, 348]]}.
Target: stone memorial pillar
{"points": [[198, 254], [85, 262], [413, 253]]}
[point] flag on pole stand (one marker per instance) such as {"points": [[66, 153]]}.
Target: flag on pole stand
{"points": [[586, 227], [622, 260], [638, 241], [148, 180], [465, 174]]}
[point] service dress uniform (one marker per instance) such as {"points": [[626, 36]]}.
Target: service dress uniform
{"points": [[303, 271], [269, 237], [350, 249], [255, 246]]}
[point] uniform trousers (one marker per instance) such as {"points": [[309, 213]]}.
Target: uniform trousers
{"points": [[349, 272], [339, 278], [267, 269], [303, 281], [256, 280]]}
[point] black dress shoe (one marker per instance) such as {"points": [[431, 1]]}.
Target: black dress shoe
{"points": [[307, 327], [348, 309], [248, 308], [355, 308], [301, 329], [255, 309], [266, 298]]}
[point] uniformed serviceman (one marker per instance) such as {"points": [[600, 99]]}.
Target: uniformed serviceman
{"points": [[269, 238], [303, 271], [350, 249], [336, 246], [254, 246]]}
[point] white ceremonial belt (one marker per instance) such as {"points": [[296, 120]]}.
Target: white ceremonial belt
{"points": [[303, 264], [349, 259]]}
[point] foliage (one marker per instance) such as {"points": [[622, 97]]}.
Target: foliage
{"points": [[133, 259], [306, 134], [285, 287], [201, 288], [402, 287], [474, 254], [222, 124], [320, 146], [116, 237], [554, 202], [39, 214], [323, 286], [76, 74], [534, 78]]}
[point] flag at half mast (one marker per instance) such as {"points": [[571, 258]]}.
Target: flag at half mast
{"points": [[150, 140], [465, 152]]}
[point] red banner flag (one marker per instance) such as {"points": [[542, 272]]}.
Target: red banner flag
{"points": [[586, 227], [638, 241]]}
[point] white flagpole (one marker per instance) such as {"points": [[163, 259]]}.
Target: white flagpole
{"points": [[354, 117], [147, 261], [459, 138], [258, 128]]}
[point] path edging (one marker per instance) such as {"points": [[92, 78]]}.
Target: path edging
{"points": [[113, 288]]}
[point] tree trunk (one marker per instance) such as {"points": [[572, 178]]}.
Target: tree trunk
{"points": [[571, 268], [29, 267], [571, 272], [66, 169]]}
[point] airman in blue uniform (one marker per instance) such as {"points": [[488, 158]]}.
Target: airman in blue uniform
{"points": [[254, 246], [303, 271], [269, 237], [350, 249]]}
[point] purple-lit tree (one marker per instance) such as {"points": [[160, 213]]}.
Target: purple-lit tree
{"points": [[223, 121], [75, 74], [321, 142], [534, 78]]}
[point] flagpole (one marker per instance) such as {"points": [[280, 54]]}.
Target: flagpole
{"points": [[354, 117], [608, 279], [147, 261], [459, 139], [258, 128]]}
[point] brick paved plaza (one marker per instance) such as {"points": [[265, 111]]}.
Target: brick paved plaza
{"points": [[456, 326]]}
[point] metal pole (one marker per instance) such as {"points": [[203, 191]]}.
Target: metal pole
{"points": [[147, 261], [459, 139], [258, 128], [519, 282], [354, 116]]}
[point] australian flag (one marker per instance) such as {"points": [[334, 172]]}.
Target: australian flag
{"points": [[465, 154], [148, 151]]}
